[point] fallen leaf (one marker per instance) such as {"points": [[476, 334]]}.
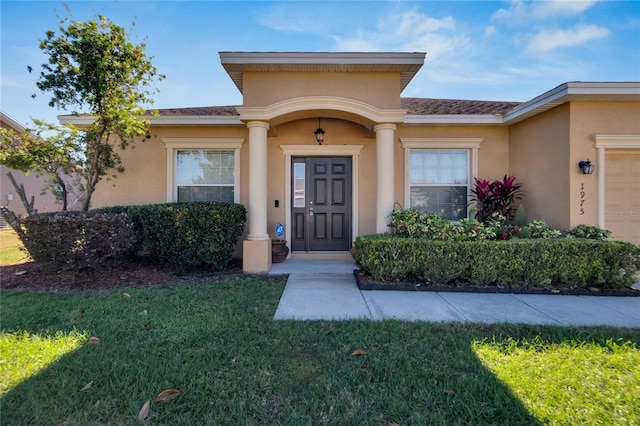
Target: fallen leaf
{"points": [[358, 352], [450, 392], [94, 340], [167, 395], [87, 386], [144, 411], [126, 295]]}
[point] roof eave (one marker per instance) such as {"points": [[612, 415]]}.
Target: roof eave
{"points": [[174, 120], [12, 122], [406, 63], [574, 91]]}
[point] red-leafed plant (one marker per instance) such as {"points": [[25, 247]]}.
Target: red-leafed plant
{"points": [[498, 196]]}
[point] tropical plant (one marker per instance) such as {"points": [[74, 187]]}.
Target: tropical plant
{"points": [[498, 196], [539, 229], [413, 223], [589, 232]]}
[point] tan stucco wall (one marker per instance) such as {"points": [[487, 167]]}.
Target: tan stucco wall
{"points": [[539, 157], [145, 178], [262, 89], [33, 185], [493, 154], [587, 120]]}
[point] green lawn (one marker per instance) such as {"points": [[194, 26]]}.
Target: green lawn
{"points": [[232, 364], [10, 252]]}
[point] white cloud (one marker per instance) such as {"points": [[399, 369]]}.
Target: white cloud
{"points": [[407, 31], [293, 18], [522, 12], [489, 31], [548, 9], [548, 40]]}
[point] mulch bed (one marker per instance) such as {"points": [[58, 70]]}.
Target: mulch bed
{"points": [[31, 276], [366, 282]]}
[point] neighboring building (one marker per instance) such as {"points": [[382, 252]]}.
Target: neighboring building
{"points": [[381, 150], [33, 183]]}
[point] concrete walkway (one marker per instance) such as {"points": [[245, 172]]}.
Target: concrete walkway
{"points": [[327, 290]]}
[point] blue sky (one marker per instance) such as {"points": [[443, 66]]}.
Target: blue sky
{"points": [[488, 50]]}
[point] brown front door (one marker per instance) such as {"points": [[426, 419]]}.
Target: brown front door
{"points": [[321, 192]]}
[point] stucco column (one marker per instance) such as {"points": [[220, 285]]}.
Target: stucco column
{"points": [[256, 250], [258, 180], [385, 135]]}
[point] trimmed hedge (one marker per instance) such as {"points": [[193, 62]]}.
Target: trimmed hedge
{"points": [[75, 241], [531, 263], [188, 234]]}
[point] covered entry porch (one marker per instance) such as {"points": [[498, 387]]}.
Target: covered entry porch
{"points": [[272, 168]]}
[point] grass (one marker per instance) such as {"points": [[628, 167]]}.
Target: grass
{"points": [[219, 346], [10, 252]]}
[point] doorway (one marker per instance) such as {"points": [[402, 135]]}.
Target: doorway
{"points": [[321, 203]]}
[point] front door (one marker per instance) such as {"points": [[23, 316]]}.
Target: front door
{"points": [[321, 192]]}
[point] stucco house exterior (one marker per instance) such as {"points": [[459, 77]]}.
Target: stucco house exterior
{"points": [[381, 150], [33, 183]]}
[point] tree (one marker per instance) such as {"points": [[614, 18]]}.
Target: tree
{"points": [[93, 68], [49, 150]]}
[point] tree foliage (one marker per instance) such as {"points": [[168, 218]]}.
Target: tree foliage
{"points": [[94, 69], [48, 150]]}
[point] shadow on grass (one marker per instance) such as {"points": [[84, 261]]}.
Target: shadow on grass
{"points": [[218, 345]]}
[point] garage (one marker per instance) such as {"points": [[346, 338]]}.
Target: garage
{"points": [[622, 194]]}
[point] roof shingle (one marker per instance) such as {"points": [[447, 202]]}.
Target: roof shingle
{"points": [[414, 106]]}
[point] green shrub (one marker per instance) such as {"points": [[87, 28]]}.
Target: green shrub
{"points": [[538, 229], [473, 230], [530, 263], [189, 234], [412, 223], [589, 232], [74, 241]]}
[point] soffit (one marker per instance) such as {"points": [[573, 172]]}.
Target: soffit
{"points": [[237, 63]]}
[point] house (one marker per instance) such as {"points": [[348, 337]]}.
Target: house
{"points": [[325, 144], [33, 183]]}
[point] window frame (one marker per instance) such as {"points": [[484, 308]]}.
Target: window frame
{"points": [[472, 145], [173, 145]]}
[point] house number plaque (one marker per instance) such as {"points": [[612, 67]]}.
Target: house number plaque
{"points": [[582, 198]]}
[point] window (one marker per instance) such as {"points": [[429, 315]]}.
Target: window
{"points": [[205, 175], [203, 169], [439, 182], [438, 174]]}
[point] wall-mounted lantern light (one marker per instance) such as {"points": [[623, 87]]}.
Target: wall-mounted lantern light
{"points": [[319, 134], [586, 167]]}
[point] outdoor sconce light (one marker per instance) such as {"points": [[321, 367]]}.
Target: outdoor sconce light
{"points": [[319, 134], [586, 167]]}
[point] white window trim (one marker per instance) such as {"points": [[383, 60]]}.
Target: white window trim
{"points": [[471, 144], [352, 151], [604, 142], [184, 144]]}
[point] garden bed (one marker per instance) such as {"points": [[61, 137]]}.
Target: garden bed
{"points": [[366, 282]]}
